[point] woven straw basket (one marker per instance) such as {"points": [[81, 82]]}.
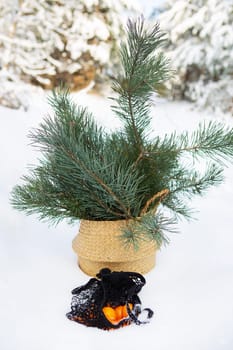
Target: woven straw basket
{"points": [[98, 245]]}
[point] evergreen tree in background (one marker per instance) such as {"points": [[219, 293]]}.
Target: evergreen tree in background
{"points": [[44, 42], [201, 48], [88, 173]]}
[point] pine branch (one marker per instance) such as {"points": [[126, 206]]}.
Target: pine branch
{"points": [[68, 125], [143, 68], [193, 183], [40, 196], [102, 188], [178, 207], [93, 175], [212, 140], [149, 227]]}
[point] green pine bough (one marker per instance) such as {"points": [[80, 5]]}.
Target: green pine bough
{"points": [[88, 173]]}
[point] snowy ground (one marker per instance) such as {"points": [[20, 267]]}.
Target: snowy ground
{"points": [[190, 289]]}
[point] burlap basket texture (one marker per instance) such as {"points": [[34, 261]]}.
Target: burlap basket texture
{"points": [[98, 245]]}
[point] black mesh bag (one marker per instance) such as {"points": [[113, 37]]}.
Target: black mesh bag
{"points": [[109, 301]]}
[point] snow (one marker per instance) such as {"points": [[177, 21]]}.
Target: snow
{"points": [[200, 49], [190, 288], [40, 40], [149, 5]]}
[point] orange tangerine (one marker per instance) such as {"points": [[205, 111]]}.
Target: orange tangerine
{"points": [[115, 315]]}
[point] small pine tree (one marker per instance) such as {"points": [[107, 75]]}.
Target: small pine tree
{"points": [[87, 173]]}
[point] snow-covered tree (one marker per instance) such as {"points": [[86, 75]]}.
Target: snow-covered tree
{"points": [[48, 41], [201, 49]]}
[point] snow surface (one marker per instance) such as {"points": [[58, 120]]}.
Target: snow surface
{"points": [[190, 289]]}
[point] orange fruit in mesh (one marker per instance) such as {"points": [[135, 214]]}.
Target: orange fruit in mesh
{"points": [[115, 315]]}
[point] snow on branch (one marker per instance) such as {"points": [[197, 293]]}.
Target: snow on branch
{"points": [[201, 49], [46, 42]]}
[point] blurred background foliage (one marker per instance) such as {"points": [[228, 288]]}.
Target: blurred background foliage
{"points": [[49, 42], [46, 42]]}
